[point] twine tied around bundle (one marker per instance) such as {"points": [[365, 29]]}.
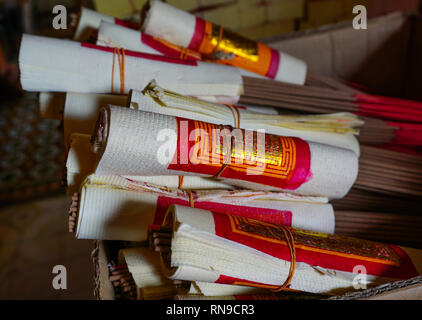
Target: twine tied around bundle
{"points": [[121, 56], [236, 124], [288, 235]]}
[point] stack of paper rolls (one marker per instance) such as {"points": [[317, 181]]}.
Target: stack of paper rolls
{"points": [[322, 170]]}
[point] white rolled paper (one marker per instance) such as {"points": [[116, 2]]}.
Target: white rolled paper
{"points": [[113, 35], [184, 29], [131, 146], [89, 21], [48, 64], [108, 212]]}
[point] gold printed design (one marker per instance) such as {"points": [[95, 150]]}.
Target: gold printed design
{"points": [[227, 41]]}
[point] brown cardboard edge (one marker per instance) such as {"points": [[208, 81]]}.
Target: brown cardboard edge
{"points": [[400, 290], [103, 290]]}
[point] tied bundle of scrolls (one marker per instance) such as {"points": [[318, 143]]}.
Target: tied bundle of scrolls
{"points": [[247, 252], [238, 157]]}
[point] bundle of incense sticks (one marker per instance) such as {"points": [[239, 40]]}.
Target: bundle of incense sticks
{"points": [[389, 172], [363, 200], [123, 284], [251, 160], [387, 120], [43, 62], [334, 129], [247, 252], [219, 45], [122, 209], [399, 228]]}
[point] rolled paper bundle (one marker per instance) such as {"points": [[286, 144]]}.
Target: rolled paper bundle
{"points": [[334, 129], [121, 36], [124, 212], [219, 45], [145, 268], [255, 161], [81, 111], [51, 104], [242, 251], [48, 64], [88, 23]]}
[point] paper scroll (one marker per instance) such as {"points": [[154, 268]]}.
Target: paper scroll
{"points": [[246, 252], [222, 46], [132, 142]]}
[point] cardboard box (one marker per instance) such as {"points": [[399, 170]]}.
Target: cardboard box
{"points": [[376, 58]]}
